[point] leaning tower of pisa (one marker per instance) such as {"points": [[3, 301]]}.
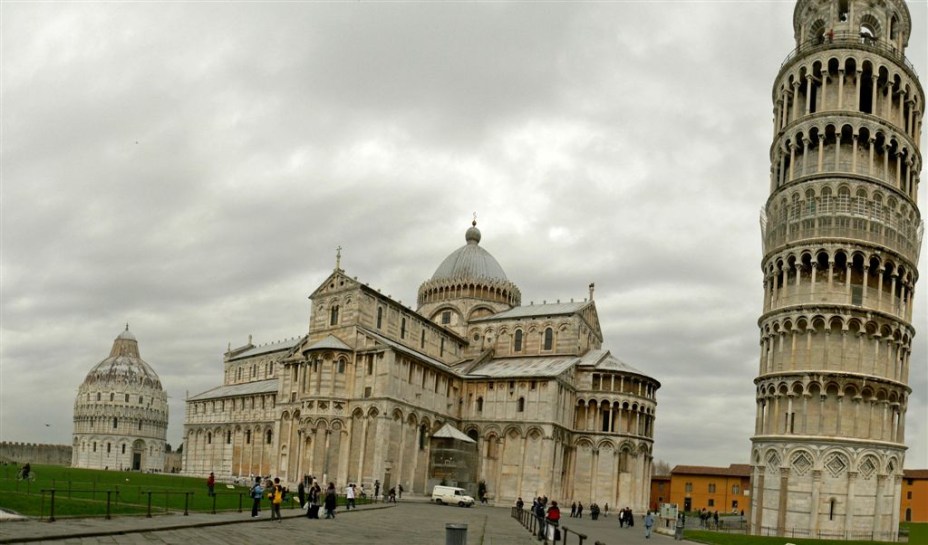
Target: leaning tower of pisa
{"points": [[841, 237]]}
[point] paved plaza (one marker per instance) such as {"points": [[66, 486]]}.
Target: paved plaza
{"points": [[406, 523]]}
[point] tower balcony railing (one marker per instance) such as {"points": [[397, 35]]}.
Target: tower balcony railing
{"points": [[823, 224], [851, 40]]}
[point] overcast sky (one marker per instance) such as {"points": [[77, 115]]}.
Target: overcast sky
{"points": [[190, 168]]}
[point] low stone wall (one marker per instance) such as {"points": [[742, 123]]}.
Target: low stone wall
{"points": [[34, 453]]}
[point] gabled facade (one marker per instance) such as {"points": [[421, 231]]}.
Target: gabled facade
{"points": [[359, 396]]}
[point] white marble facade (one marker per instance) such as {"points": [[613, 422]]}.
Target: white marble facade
{"points": [[357, 397], [841, 234]]}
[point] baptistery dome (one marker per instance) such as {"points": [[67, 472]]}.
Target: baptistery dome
{"points": [[121, 413]]}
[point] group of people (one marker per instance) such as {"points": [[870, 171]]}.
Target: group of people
{"points": [[548, 516], [708, 518]]}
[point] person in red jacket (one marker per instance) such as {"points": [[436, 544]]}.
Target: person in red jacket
{"points": [[211, 485]]}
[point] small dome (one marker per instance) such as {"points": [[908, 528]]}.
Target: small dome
{"points": [[124, 364], [470, 261]]}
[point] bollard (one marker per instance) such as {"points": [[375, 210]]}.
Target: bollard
{"points": [[148, 515], [51, 513], [455, 534]]}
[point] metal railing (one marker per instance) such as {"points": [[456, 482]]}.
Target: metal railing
{"points": [[853, 40], [828, 534], [539, 527]]}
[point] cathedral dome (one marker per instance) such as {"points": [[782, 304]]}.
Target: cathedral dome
{"points": [[470, 262], [470, 273]]}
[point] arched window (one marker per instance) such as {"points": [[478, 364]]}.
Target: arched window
{"points": [[520, 405], [446, 317], [140, 400], [127, 398], [268, 437], [517, 344], [115, 422], [248, 437], [549, 339], [123, 448], [341, 366], [98, 396], [228, 437], [140, 425], [379, 317], [333, 315], [209, 438], [112, 396], [422, 437], [479, 404]]}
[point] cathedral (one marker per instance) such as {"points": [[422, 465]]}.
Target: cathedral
{"points": [[121, 413], [841, 238], [471, 388]]}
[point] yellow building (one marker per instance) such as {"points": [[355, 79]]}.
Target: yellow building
{"points": [[914, 506], [722, 489]]}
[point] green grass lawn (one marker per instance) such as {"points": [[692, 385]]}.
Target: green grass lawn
{"points": [[918, 534], [83, 493]]}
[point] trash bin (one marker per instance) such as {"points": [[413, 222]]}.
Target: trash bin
{"points": [[455, 534]]}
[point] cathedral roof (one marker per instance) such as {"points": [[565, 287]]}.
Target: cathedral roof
{"points": [[470, 262], [268, 386], [124, 364], [268, 348], [528, 311], [450, 432]]}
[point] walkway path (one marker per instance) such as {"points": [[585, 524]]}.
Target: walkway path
{"points": [[406, 523]]}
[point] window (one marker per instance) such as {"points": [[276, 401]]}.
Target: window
{"points": [[831, 509], [711, 502], [403, 328], [341, 366], [95, 446], [248, 437], [735, 490], [442, 349], [517, 344], [333, 315], [98, 396], [292, 397], [228, 437], [370, 365], [367, 391], [140, 425], [123, 448], [549, 338], [908, 495], [209, 438], [109, 447], [379, 317], [115, 422], [479, 404], [127, 398], [112, 396], [520, 405], [422, 340], [446, 317], [688, 488], [422, 437], [712, 488], [857, 295], [268, 437], [140, 397]]}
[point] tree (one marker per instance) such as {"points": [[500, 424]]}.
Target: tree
{"points": [[660, 467]]}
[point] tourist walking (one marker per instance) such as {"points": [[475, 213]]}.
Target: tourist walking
{"points": [[330, 501], [349, 497], [573, 510], [648, 523], [579, 510], [211, 485], [276, 495], [257, 492]]}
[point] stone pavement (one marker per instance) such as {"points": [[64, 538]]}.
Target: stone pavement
{"points": [[405, 523]]}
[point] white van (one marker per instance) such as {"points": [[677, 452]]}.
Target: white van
{"points": [[451, 495]]}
